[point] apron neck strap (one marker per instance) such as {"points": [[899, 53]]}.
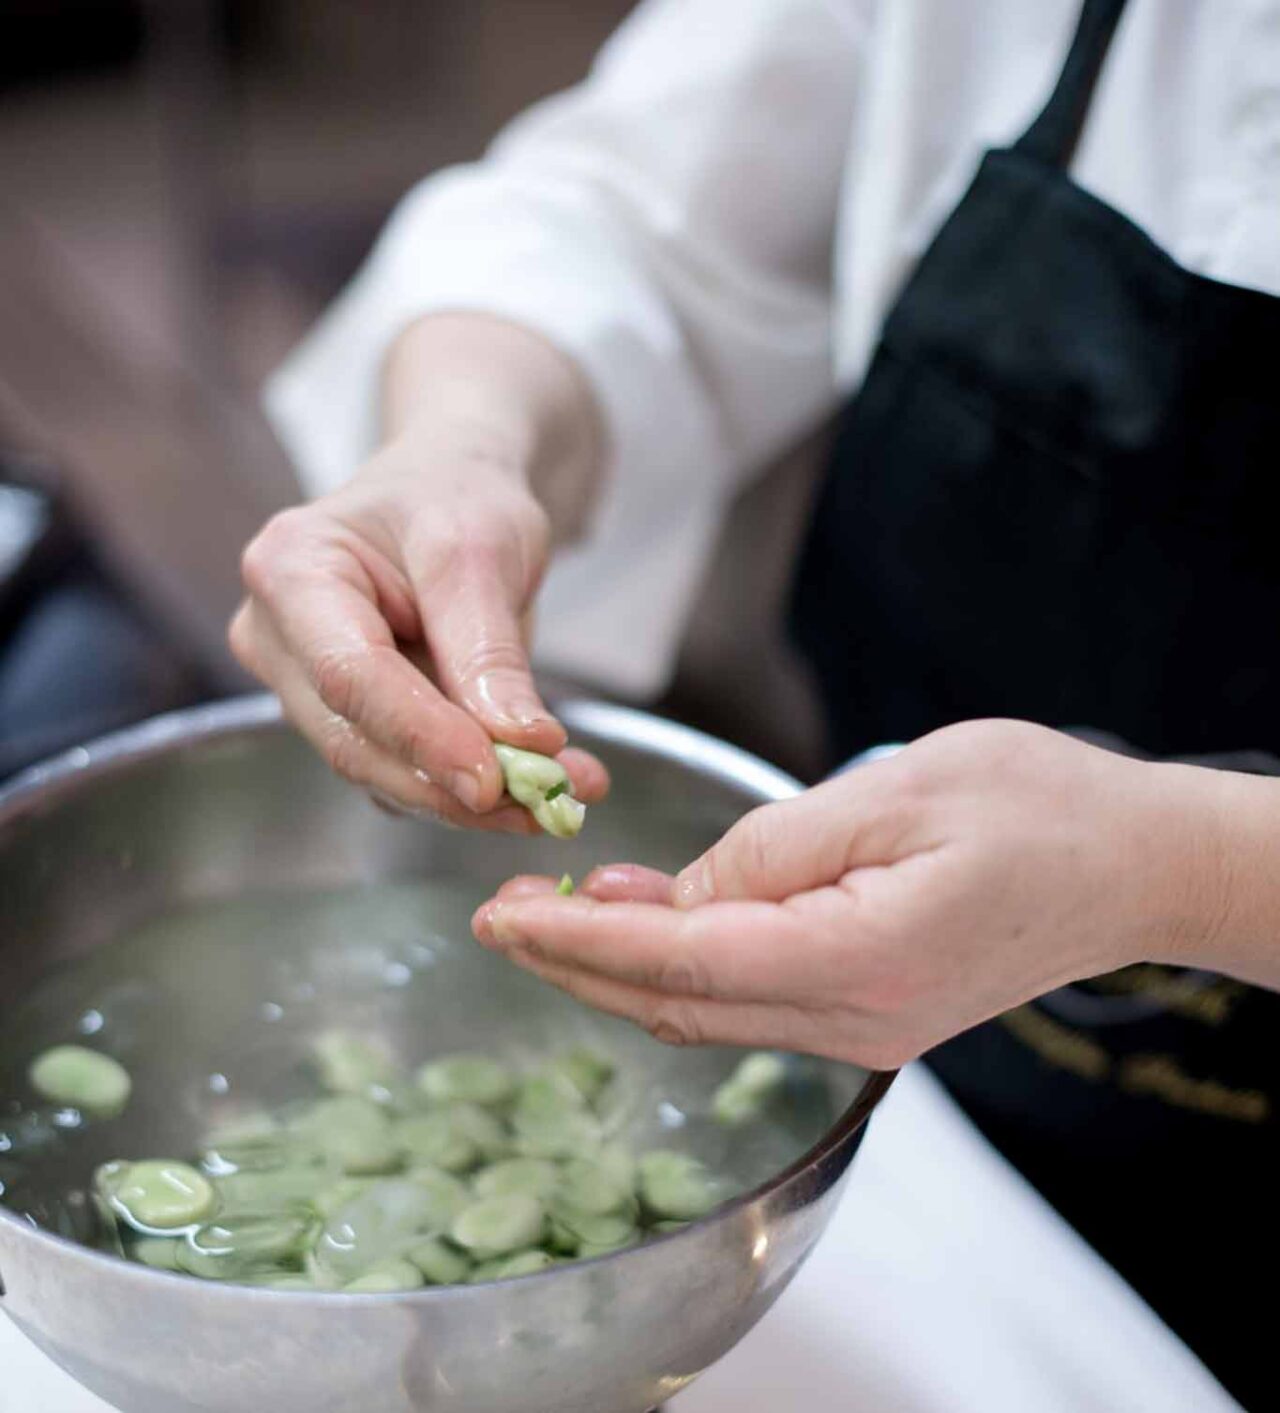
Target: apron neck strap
{"points": [[1053, 135]]}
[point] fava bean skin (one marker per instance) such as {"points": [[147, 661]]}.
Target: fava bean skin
{"points": [[78, 1078]]}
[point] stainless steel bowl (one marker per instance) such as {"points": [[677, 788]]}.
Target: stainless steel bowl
{"points": [[224, 801]]}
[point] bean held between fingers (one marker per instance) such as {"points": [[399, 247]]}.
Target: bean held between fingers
{"points": [[543, 787]]}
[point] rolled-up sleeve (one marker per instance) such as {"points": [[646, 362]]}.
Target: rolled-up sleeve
{"points": [[668, 224]]}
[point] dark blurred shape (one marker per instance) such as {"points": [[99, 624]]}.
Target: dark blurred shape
{"points": [[54, 39], [79, 655]]}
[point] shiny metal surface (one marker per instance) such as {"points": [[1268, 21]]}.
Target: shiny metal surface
{"points": [[224, 800]]}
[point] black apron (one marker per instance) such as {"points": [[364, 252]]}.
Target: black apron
{"points": [[1055, 498]]}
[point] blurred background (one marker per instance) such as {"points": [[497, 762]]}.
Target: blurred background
{"points": [[186, 184]]}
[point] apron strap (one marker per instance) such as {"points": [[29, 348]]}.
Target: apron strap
{"points": [[1052, 136]]}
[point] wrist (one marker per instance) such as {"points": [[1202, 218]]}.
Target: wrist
{"points": [[498, 394], [1222, 889]]}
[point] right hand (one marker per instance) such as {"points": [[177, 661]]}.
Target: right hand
{"points": [[389, 618]]}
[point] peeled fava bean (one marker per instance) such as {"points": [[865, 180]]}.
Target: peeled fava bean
{"points": [[744, 1096], [439, 1261], [473, 1079], [502, 1268], [499, 1226], [156, 1194], [349, 1064], [677, 1186], [78, 1078], [472, 1171], [239, 1246], [352, 1133], [388, 1277], [378, 1225], [543, 787]]}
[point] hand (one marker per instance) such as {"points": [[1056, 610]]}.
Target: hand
{"points": [[877, 915], [389, 617]]}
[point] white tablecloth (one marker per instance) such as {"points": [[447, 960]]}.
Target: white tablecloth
{"points": [[944, 1285]]}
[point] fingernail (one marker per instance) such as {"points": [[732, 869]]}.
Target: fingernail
{"points": [[387, 805], [465, 786], [503, 926], [693, 886], [482, 924]]}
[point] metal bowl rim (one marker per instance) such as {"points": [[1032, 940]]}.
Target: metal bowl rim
{"points": [[624, 725]]}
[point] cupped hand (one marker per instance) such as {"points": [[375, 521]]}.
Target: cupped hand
{"points": [[389, 618], [887, 910]]}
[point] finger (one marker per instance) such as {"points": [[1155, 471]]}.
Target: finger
{"points": [[781, 849], [589, 776], [357, 759], [467, 601], [524, 885], [682, 1020], [724, 951], [627, 883], [323, 607]]}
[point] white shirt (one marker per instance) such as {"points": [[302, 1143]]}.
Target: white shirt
{"points": [[716, 221]]}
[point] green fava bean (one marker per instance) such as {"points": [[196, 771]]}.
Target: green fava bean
{"points": [[83, 1079], [287, 1280], [244, 1246], [386, 1278], [379, 1224], [446, 1194], [743, 1097], [538, 1177], [158, 1252], [275, 1190], [502, 1268], [439, 1262], [353, 1133], [587, 1187], [337, 1194], [349, 1064], [498, 1226], [572, 1230], [157, 1194], [587, 1071], [677, 1185], [590, 1249], [543, 787], [474, 1079], [483, 1127], [435, 1138]]}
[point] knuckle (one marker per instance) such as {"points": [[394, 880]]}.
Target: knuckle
{"points": [[240, 640], [262, 557], [674, 1023], [683, 975], [341, 749], [744, 853], [338, 677], [492, 656]]}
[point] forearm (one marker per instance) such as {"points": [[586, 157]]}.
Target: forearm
{"points": [[503, 394], [1225, 871]]}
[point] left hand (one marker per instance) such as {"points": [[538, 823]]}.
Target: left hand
{"points": [[885, 911]]}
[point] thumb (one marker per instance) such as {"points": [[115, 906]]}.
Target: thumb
{"points": [[806, 842]]}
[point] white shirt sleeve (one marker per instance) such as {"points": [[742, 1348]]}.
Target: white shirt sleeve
{"points": [[668, 224]]}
